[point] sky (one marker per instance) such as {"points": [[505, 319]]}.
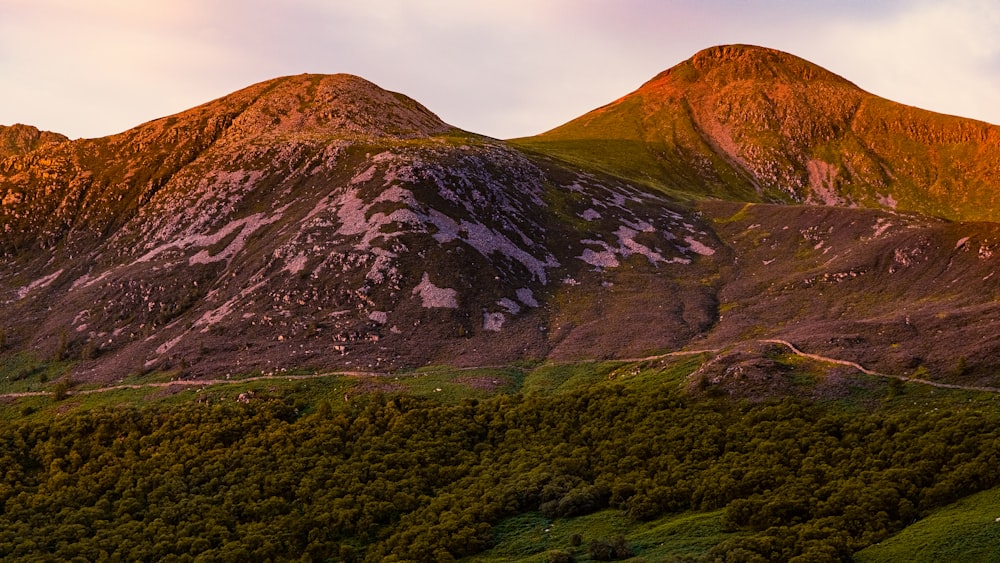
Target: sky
{"points": [[506, 68]]}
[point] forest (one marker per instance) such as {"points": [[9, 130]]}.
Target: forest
{"points": [[397, 477]]}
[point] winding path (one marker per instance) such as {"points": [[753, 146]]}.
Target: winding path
{"points": [[867, 371], [195, 383], [365, 374]]}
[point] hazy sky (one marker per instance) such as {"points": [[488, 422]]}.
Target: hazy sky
{"points": [[505, 68]]}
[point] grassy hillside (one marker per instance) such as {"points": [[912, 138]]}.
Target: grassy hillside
{"points": [[245, 332], [967, 530]]}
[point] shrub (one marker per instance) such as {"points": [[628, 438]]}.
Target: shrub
{"points": [[612, 549]]}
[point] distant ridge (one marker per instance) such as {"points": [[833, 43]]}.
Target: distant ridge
{"points": [[749, 123]]}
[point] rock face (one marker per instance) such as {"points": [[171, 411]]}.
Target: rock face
{"points": [[322, 222], [754, 124]]}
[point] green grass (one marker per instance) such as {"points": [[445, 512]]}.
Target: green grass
{"points": [[531, 537], [565, 377], [305, 394], [740, 216], [964, 531], [25, 372], [627, 159], [450, 385], [668, 370], [444, 384]]}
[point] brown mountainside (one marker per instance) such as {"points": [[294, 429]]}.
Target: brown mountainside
{"points": [[754, 124], [322, 221], [92, 186]]}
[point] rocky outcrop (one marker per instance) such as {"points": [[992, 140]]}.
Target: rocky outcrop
{"points": [[20, 139]]}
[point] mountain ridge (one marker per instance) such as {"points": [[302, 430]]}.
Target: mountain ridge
{"points": [[320, 221]]}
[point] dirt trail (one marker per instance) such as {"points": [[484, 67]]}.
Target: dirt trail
{"points": [[867, 371], [829, 360], [196, 383], [819, 358], [366, 374], [670, 354]]}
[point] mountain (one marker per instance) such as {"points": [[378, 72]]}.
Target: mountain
{"points": [[747, 123], [322, 222]]}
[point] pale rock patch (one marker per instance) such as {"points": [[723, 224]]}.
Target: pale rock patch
{"points": [[365, 176], [86, 281], [447, 228], [509, 305], [487, 241], [39, 283], [526, 296], [881, 226], [166, 346], [493, 322], [297, 264], [888, 201], [699, 248], [601, 259], [247, 227], [433, 296], [822, 181], [629, 246]]}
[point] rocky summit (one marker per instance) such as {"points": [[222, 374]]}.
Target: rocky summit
{"points": [[322, 222]]}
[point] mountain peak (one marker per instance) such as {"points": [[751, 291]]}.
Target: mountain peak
{"points": [[755, 124], [337, 104], [302, 106], [729, 63], [744, 55]]}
